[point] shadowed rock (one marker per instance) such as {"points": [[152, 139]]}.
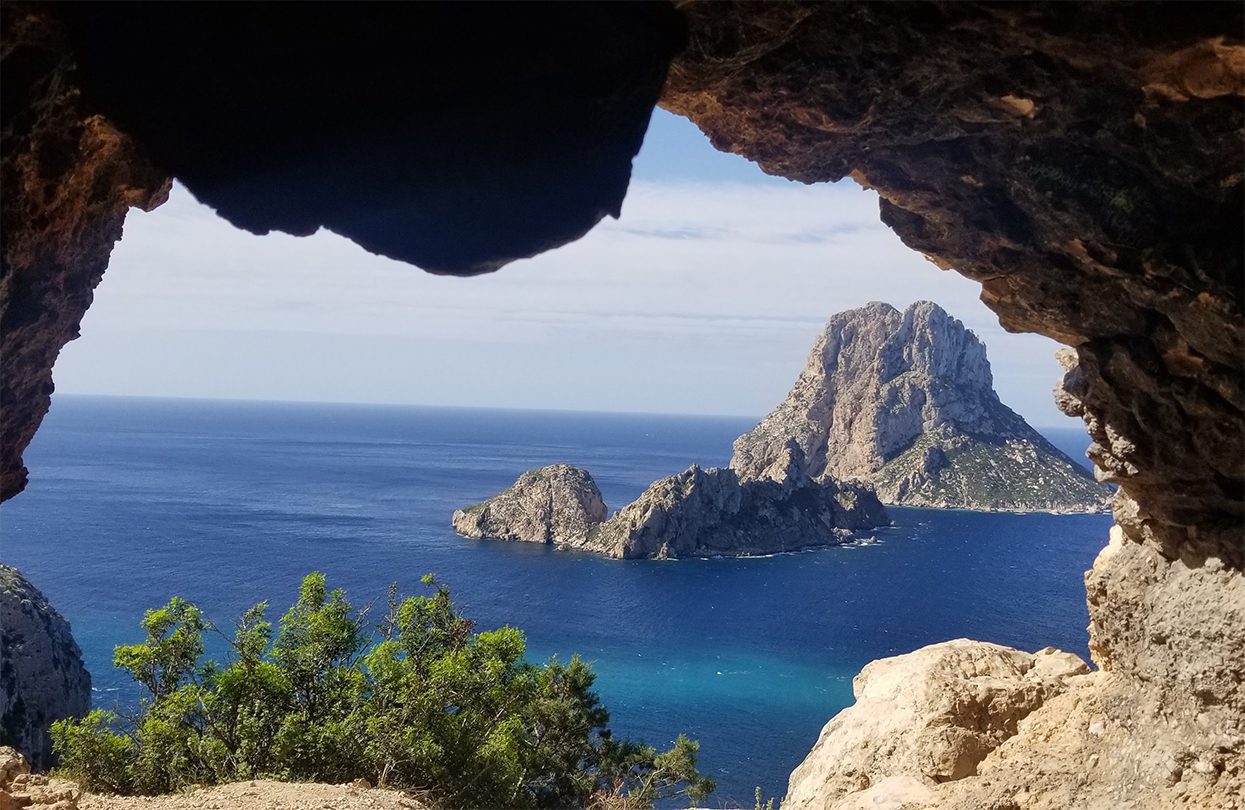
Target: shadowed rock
{"points": [[42, 677], [709, 513]]}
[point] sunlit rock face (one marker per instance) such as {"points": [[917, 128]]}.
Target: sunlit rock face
{"points": [[1083, 162], [905, 401], [558, 504]]}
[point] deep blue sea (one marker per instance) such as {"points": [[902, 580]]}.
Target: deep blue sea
{"points": [[132, 501]]}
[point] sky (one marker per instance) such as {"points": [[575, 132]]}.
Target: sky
{"points": [[703, 298]]}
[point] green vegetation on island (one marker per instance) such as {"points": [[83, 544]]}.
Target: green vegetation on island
{"points": [[418, 700]]}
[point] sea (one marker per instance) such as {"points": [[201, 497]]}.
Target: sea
{"points": [[227, 503]]}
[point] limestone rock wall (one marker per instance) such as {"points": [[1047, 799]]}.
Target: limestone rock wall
{"points": [[42, 677], [1083, 162]]}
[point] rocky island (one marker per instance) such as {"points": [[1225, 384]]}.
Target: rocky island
{"points": [[557, 504], [696, 513], [905, 402]]}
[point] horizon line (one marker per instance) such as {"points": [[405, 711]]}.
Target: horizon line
{"points": [[452, 406]]}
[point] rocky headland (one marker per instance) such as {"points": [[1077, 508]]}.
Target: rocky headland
{"points": [[905, 402], [42, 676], [696, 513]]}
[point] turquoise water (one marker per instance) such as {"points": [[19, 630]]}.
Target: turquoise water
{"points": [[132, 501]]}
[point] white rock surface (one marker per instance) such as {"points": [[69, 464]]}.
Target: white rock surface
{"points": [[925, 718]]}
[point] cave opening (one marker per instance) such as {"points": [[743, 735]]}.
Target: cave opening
{"points": [[1081, 163]]}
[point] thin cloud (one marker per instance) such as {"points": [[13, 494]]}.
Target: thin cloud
{"points": [[708, 295]]}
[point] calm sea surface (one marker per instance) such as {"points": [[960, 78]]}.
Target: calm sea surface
{"points": [[132, 501]]}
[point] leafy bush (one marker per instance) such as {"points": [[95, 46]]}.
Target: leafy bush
{"points": [[420, 701]]}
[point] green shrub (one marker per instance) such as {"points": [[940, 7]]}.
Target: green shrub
{"points": [[418, 701]]}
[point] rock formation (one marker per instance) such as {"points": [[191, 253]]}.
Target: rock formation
{"points": [[1081, 161], [19, 788], [905, 402], [924, 719], [68, 179], [707, 513], [42, 677], [697, 513], [557, 504]]}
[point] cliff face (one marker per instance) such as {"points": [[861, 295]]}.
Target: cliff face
{"points": [[905, 402], [42, 677], [68, 179], [1083, 163], [556, 504], [706, 513]]}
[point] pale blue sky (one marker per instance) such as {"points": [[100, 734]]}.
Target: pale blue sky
{"points": [[705, 297]]}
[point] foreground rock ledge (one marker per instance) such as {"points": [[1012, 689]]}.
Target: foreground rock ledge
{"points": [[971, 726]]}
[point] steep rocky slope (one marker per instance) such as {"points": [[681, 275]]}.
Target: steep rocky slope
{"points": [[707, 513], [697, 513], [555, 504], [905, 402], [42, 677]]}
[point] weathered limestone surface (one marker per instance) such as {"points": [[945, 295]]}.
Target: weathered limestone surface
{"points": [[556, 504], [905, 402], [42, 677], [930, 716], [19, 788], [1083, 162]]}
